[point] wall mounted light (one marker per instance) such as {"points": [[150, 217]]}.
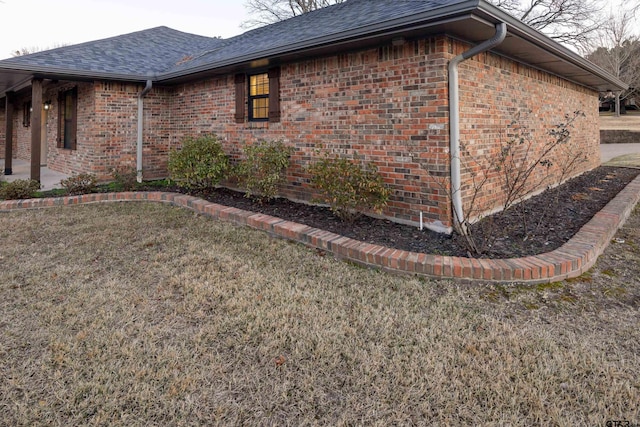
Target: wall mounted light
{"points": [[47, 105]]}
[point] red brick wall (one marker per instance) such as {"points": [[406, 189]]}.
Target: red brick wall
{"points": [[494, 92], [67, 161], [390, 105], [387, 105], [158, 129], [106, 134], [22, 134], [107, 129]]}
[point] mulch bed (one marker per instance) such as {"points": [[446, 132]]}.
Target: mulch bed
{"points": [[538, 225]]}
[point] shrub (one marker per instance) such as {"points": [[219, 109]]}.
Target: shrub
{"points": [[348, 187], [80, 184], [19, 189], [262, 171], [200, 164], [125, 178]]}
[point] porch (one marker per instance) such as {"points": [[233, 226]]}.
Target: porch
{"points": [[22, 170]]}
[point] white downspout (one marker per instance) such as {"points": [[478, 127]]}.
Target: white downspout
{"points": [[454, 116], [141, 95]]}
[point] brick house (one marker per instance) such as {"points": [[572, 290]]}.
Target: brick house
{"points": [[400, 83]]}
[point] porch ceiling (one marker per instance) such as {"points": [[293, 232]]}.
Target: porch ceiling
{"points": [[13, 79]]}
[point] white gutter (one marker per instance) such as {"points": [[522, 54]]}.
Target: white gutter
{"points": [[141, 95], [454, 117]]}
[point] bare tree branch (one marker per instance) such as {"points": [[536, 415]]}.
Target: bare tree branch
{"points": [[618, 49], [571, 22], [33, 49], [266, 12]]}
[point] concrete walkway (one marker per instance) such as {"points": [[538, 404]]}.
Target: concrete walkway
{"points": [[22, 170]]}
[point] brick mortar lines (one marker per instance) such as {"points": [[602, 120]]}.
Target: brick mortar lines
{"points": [[570, 260]]}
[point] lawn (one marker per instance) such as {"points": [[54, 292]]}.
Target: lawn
{"points": [[629, 121], [138, 314]]}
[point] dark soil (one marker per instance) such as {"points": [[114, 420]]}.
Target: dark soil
{"points": [[540, 224]]}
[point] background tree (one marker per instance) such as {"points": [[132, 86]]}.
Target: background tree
{"points": [[571, 22], [618, 51], [33, 49], [269, 11], [609, 41]]}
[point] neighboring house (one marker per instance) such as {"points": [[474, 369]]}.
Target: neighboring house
{"points": [[365, 76]]}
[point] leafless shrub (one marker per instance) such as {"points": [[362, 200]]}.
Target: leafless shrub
{"points": [[522, 165]]}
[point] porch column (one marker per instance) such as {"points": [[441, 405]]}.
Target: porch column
{"points": [[8, 143], [36, 127]]}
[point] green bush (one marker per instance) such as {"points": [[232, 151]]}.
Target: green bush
{"points": [[80, 184], [349, 188], [200, 164], [19, 189], [125, 178], [263, 169]]}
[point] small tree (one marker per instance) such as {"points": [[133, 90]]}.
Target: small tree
{"points": [[34, 49], [571, 22]]}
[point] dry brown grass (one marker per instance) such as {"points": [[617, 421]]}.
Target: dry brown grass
{"points": [[629, 121], [625, 161], [142, 314]]}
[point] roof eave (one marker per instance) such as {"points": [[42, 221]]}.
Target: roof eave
{"points": [[426, 19], [63, 74], [474, 9], [518, 28], [477, 10]]}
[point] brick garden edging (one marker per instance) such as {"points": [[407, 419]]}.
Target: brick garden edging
{"points": [[570, 260]]}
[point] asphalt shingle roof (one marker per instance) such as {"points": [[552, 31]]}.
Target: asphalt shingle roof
{"points": [[164, 54], [162, 50], [142, 53], [320, 24]]}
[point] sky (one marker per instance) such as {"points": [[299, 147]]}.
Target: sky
{"points": [[51, 23]]}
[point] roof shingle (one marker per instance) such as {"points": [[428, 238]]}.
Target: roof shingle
{"points": [[318, 25], [160, 50], [167, 55], [143, 53]]}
